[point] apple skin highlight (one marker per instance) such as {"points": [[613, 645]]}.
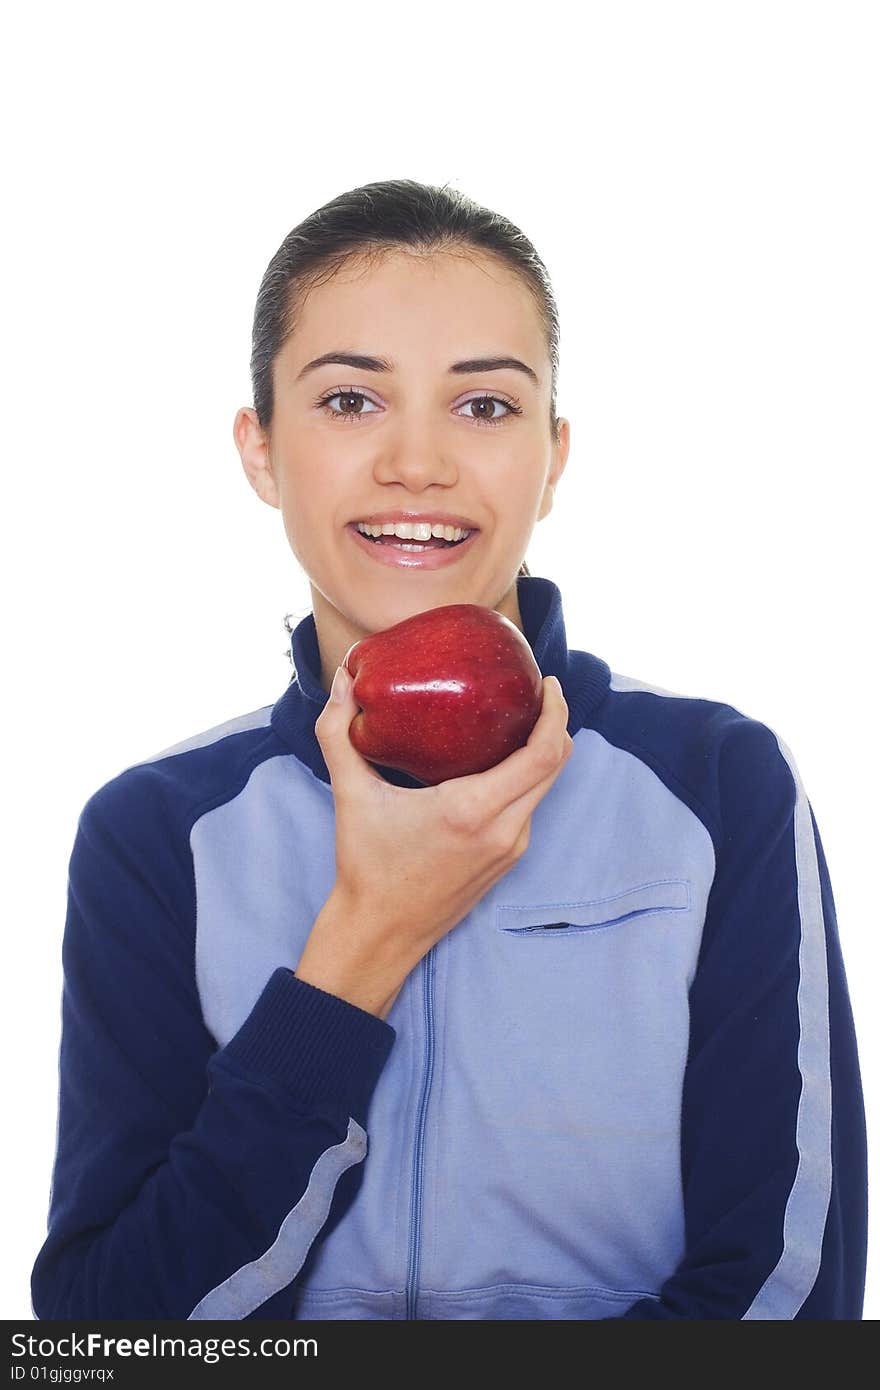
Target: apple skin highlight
{"points": [[446, 693]]}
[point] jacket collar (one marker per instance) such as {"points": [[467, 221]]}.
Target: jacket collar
{"points": [[584, 678]]}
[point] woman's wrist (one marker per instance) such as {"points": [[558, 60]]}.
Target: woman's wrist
{"points": [[329, 962]]}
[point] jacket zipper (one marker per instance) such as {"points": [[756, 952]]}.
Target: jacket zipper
{"points": [[418, 1158]]}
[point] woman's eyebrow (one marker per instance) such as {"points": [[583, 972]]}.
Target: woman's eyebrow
{"points": [[381, 364]]}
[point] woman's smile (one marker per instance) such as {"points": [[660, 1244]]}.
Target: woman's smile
{"points": [[412, 554]]}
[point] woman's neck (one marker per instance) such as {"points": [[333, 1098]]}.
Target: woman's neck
{"points": [[337, 633]]}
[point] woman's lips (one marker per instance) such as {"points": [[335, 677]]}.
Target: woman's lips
{"points": [[411, 559]]}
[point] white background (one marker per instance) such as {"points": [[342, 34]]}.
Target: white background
{"points": [[701, 181]]}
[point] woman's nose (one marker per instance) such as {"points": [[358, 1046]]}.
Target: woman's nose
{"points": [[416, 461]]}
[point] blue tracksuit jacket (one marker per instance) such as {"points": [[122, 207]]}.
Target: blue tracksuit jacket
{"points": [[625, 1085]]}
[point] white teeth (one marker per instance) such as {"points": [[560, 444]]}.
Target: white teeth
{"points": [[414, 531]]}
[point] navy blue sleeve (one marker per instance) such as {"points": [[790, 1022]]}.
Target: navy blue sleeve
{"points": [[189, 1181], [773, 1144]]}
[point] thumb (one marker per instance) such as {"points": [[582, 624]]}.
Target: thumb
{"points": [[332, 730]]}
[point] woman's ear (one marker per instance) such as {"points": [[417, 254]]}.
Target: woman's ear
{"points": [[557, 466], [252, 442]]}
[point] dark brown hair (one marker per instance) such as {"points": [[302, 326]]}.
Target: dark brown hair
{"points": [[365, 221]]}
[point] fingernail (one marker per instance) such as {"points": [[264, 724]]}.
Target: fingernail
{"points": [[339, 688]]}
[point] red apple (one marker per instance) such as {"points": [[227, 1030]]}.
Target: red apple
{"points": [[446, 693]]}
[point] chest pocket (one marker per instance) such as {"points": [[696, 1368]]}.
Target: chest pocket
{"points": [[551, 920]]}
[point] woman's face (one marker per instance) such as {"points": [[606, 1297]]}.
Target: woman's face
{"points": [[408, 437]]}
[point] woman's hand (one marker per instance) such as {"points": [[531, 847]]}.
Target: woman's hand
{"points": [[412, 862]]}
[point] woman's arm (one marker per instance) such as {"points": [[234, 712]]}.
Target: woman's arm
{"points": [[774, 1167], [189, 1182]]}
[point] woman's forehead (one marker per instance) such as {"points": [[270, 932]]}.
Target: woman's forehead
{"points": [[471, 306]]}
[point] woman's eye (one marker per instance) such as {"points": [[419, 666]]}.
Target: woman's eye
{"points": [[348, 397], [494, 418], [353, 403]]}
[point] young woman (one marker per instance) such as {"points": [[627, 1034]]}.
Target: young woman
{"points": [[569, 1038]]}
